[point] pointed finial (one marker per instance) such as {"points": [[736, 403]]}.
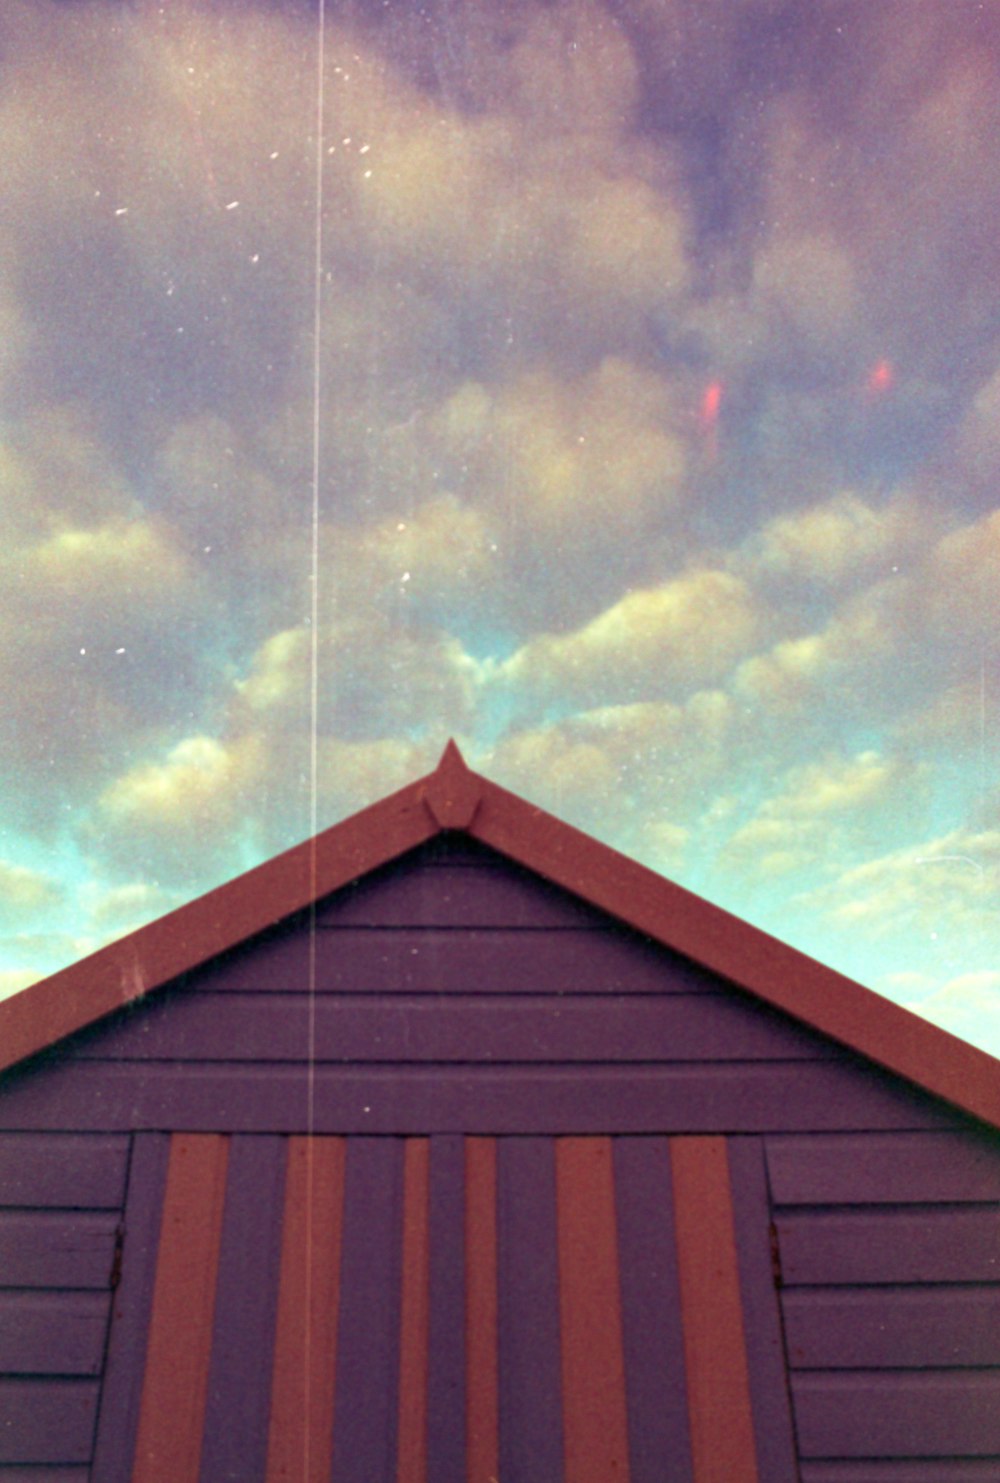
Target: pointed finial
{"points": [[452, 793]]}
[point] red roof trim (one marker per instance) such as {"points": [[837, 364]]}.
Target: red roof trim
{"points": [[454, 797]]}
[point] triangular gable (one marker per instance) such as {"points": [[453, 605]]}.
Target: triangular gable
{"points": [[457, 799]]}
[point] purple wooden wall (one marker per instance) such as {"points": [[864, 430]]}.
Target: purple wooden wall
{"points": [[456, 995], [61, 1198]]}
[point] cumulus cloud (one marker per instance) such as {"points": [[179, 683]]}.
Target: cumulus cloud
{"points": [[676, 637]]}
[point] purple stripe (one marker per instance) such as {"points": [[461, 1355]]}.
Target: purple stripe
{"points": [[656, 1389], [366, 1404], [769, 1397], [62, 1169], [530, 1381], [446, 1358], [429, 961], [465, 1028], [47, 1420], [239, 1378], [118, 1421], [754, 1097], [51, 1249]]}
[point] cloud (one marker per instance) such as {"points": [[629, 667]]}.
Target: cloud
{"points": [[673, 638], [26, 893], [824, 811]]}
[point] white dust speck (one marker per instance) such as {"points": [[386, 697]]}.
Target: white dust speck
{"points": [[401, 525], [367, 1109], [119, 651], [274, 154], [255, 258], [364, 149], [368, 175], [83, 651], [121, 211], [347, 140], [405, 577], [231, 205]]}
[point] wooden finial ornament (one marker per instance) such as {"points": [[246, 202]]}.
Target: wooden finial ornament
{"points": [[453, 792]]}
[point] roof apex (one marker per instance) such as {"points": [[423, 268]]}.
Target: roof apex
{"points": [[452, 792], [455, 797]]}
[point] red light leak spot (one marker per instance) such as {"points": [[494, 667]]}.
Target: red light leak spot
{"points": [[880, 377], [711, 401], [708, 416]]}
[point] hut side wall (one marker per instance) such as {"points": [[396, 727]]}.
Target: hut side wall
{"points": [[61, 1199]]}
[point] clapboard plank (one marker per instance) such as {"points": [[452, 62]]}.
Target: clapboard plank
{"points": [[47, 1421], [932, 1470], [53, 1333], [863, 1413], [749, 1097], [944, 1243], [411, 895], [280, 1027], [924, 1168], [55, 1248], [429, 961], [891, 1327], [64, 1169], [44, 1475]]}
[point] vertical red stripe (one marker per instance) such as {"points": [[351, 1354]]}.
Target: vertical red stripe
{"points": [[482, 1406], [300, 1437], [412, 1459], [172, 1410], [722, 1440], [595, 1425]]}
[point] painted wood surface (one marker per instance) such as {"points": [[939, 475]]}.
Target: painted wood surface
{"points": [[174, 1392], [723, 1446], [482, 1420], [414, 1306], [531, 1433], [64, 1170], [304, 1371], [944, 1243], [238, 1391], [464, 1028], [946, 1166], [47, 1420], [715, 1097], [932, 1470], [593, 1362], [866, 1413], [431, 961], [762, 1315], [53, 1333], [924, 1327], [652, 1333], [447, 1322], [366, 1415], [57, 1248], [121, 1395], [500, 894]]}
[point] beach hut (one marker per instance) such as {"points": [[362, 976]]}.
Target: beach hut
{"points": [[453, 1146]]}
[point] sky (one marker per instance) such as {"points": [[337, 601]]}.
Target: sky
{"points": [[613, 385]]}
